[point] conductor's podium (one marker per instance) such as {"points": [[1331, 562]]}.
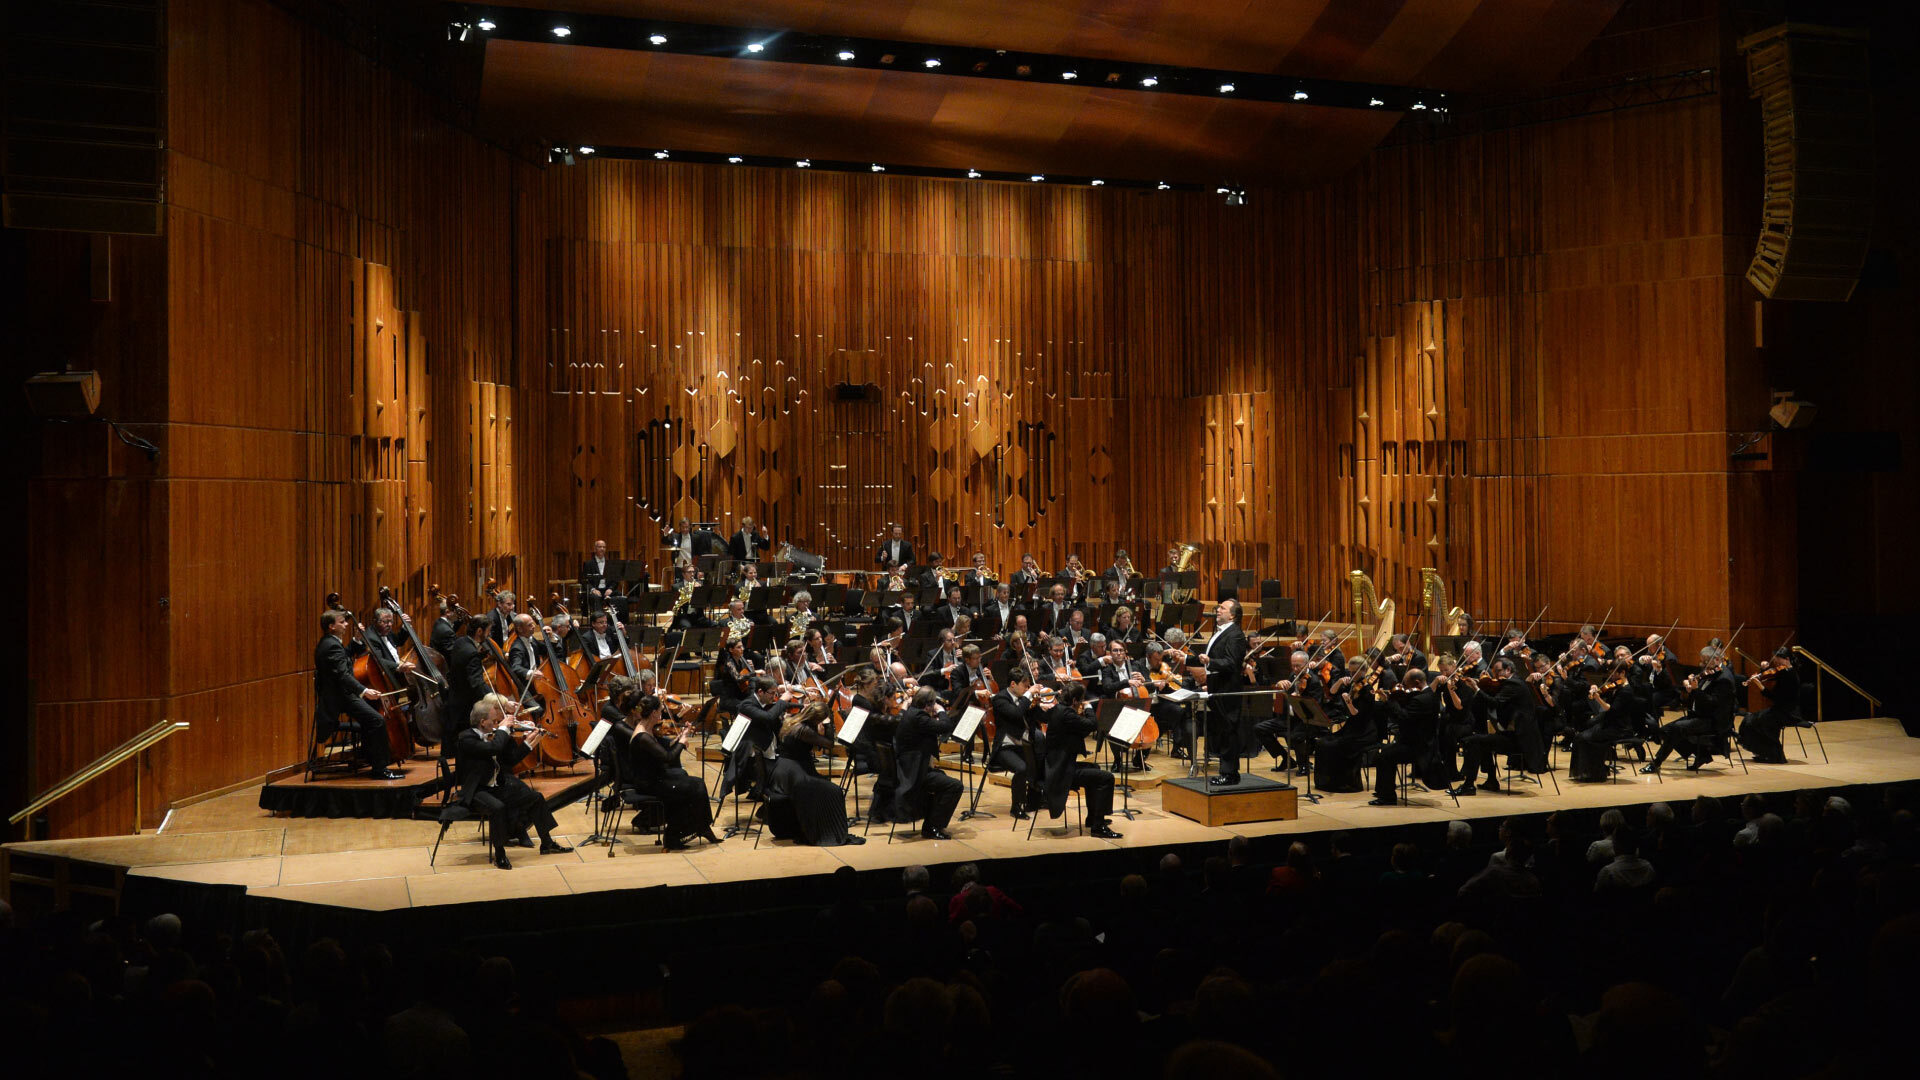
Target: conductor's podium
{"points": [[1252, 799]]}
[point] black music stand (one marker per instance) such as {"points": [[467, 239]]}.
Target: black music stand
{"points": [[1311, 713], [1105, 713], [1280, 609], [975, 789]]}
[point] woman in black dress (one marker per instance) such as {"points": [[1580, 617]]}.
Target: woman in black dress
{"points": [[813, 805], [655, 753]]}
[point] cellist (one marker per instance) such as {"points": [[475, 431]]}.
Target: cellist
{"points": [[336, 693]]}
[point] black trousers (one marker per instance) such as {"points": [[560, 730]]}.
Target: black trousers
{"points": [[1223, 739], [1177, 721], [1481, 751], [1761, 734], [745, 770], [1690, 734], [941, 794], [1015, 763], [511, 806], [1097, 783], [370, 731], [1386, 766], [1592, 746]]}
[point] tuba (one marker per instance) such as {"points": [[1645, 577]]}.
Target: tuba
{"points": [[1369, 610], [1440, 621], [1182, 556]]}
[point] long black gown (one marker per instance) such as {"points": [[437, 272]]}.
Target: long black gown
{"points": [[803, 804], [657, 772]]}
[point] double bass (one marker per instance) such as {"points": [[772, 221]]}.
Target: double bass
{"points": [[370, 672], [563, 711], [426, 682]]}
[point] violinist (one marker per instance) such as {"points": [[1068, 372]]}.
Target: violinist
{"points": [[500, 619], [1618, 708], [1457, 694], [1301, 681], [950, 613], [1657, 661], [922, 791], [466, 676], [1513, 730], [733, 678], [1413, 710], [1327, 656], [654, 752], [340, 702], [746, 764], [1067, 728], [483, 772], [1577, 672], [1014, 750], [797, 793], [978, 574], [1403, 657], [1471, 664], [895, 551], [1122, 627], [1780, 685], [878, 731], [1710, 696], [1362, 704], [1515, 646]]}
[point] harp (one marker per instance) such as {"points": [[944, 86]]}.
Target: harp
{"points": [[1372, 616], [1440, 621]]}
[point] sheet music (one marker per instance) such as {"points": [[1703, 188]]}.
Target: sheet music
{"points": [[969, 723], [599, 733], [850, 728], [736, 734], [1126, 726], [1182, 694]]}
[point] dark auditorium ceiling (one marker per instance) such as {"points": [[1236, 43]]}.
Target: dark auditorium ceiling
{"points": [[574, 93]]}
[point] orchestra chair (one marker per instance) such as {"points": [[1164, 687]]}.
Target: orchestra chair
{"points": [[650, 813], [1614, 765], [1076, 802], [887, 766], [334, 753], [1800, 725], [1516, 769], [451, 813]]}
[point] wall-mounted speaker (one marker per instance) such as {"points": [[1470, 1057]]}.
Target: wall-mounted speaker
{"points": [[64, 395]]}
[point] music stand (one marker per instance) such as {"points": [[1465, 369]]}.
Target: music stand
{"points": [[1107, 716], [1312, 714], [829, 596], [1279, 609], [964, 730]]}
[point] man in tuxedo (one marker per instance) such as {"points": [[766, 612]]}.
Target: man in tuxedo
{"points": [[894, 551], [943, 663], [953, 610], [500, 619], [910, 615], [921, 790], [336, 693], [442, 635], [682, 541], [483, 770], [384, 642], [997, 616], [466, 680], [1053, 614], [1223, 658], [1013, 741], [599, 640], [600, 580], [1415, 717], [1075, 631], [1403, 657], [1029, 572], [1302, 681], [1068, 726], [748, 763], [525, 654], [978, 574], [747, 544], [1711, 696], [1509, 710], [1120, 673]]}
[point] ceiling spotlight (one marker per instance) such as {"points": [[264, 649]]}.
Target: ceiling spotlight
{"points": [[756, 47], [1099, 183], [657, 39], [485, 24], [1299, 95], [877, 168], [1375, 101], [1037, 177], [457, 31], [735, 160], [973, 174], [586, 149], [1226, 88], [563, 31], [1235, 196], [1162, 186], [933, 62], [1069, 75], [1150, 82], [846, 54], [803, 163], [1417, 106], [660, 155]]}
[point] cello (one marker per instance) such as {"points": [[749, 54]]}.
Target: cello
{"points": [[426, 682], [370, 672]]}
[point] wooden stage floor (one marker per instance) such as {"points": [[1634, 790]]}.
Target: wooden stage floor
{"points": [[382, 864]]}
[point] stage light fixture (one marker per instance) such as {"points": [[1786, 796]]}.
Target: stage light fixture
{"points": [[1037, 177], [660, 155], [486, 24], [562, 31], [1417, 106], [735, 160], [1299, 95], [1150, 82], [933, 62], [1226, 88], [457, 31], [586, 150], [1099, 183], [803, 163], [878, 168], [755, 47], [973, 174], [1375, 101], [846, 54], [657, 39], [1069, 75], [1162, 186]]}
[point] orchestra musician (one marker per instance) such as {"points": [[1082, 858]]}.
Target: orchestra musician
{"points": [[599, 641], [597, 587], [483, 773], [445, 627], [921, 790], [1301, 681], [998, 614], [733, 677], [894, 550], [1174, 718], [747, 763], [682, 541], [1122, 627], [1123, 676], [908, 614], [1075, 633], [523, 655], [1471, 664], [1455, 691], [1710, 695], [1413, 711], [866, 685], [801, 616], [500, 619], [978, 574], [738, 626], [1221, 660], [654, 751], [950, 613], [1359, 705], [1029, 572], [1073, 577], [747, 544], [340, 702], [1057, 610], [688, 614], [797, 793], [1618, 707], [1403, 657], [466, 678], [1014, 741], [1067, 726], [943, 663], [1510, 708], [1780, 685]]}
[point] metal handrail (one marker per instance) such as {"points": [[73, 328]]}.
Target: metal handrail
{"points": [[100, 765], [1819, 708]]}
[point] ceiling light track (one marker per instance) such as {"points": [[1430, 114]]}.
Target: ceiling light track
{"points": [[773, 161], [938, 61]]}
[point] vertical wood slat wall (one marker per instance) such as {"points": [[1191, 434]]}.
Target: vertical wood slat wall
{"points": [[395, 355]]}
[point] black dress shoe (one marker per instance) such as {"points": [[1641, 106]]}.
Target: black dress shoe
{"points": [[853, 839], [1222, 781], [1105, 833], [500, 860], [935, 834], [1489, 785], [1021, 815], [1649, 768], [517, 841], [1698, 763], [389, 774], [553, 847], [1378, 801], [675, 845], [1461, 791]]}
